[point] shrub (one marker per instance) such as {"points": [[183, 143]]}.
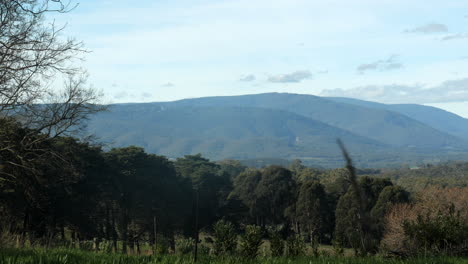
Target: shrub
{"points": [[436, 223], [185, 246], [106, 246], [338, 248], [295, 246], [251, 241], [445, 234], [276, 242], [225, 238], [162, 246]]}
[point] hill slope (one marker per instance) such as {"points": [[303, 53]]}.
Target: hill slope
{"points": [[224, 132], [387, 127], [437, 118], [284, 126]]}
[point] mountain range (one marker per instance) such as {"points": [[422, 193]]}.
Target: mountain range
{"points": [[287, 126]]}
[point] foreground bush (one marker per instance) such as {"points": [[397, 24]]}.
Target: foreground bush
{"points": [[225, 238], [251, 241], [276, 242], [435, 224]]}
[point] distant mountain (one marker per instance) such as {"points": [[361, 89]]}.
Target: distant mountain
{"points": [[387, 127], [437, 118], [223, 132], [276, 126]]}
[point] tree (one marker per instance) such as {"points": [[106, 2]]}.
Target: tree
{"points": [[312, 209], [275, 193], [244, 191], [146, 188], [355, 224], [34, 55], [389, 196]]}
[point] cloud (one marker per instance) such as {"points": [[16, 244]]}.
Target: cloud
{"points": [[428, 29], [247, 78], [455, 36], [146, 95], [167, 85], [293, 77], [448, 91], [123, 95], [380, 65]]}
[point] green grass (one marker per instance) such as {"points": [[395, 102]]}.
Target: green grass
{"points": [[67, 256]]}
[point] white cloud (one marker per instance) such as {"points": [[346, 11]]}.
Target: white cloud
{"points": [[428, 29], [455, 36], [448, 91], [247, 78], [167, 85], [146, 95], [293, 77], [123, 95], [380, 65]]}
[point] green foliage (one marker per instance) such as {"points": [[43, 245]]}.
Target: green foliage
{"points": [[356, 227], [275, 192], [276, 242], [451, 174], [338, 248], [162, 246], [312, 209], [225, 238], [442, 234], [251, 241], [245, 185], [184, 245], [210, 187], [295, 246]]}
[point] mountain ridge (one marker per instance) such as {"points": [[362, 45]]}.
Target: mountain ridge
{"points": [[275, 125]]}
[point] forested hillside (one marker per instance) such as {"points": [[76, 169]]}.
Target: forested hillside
{"points": [[225, 132], [285, 126], [437, 118]]}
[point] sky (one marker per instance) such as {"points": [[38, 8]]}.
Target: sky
{"points": [[389, 51]]}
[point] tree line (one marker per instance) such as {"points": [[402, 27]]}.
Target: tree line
{"points": [[125, 196]]}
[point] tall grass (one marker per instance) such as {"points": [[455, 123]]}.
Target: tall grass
{"points": [[67, 256]]}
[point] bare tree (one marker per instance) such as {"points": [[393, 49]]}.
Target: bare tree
{"points": [[33, 56]]}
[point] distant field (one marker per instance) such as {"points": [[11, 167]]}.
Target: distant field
{"points": [[66, 256]]}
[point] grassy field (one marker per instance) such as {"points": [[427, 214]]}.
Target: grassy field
{"points": [[67, 256]]}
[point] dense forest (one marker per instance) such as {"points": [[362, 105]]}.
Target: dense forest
{"points": [[65, 191]]}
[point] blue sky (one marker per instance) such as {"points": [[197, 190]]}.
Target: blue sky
{"points": [[391, 51]]}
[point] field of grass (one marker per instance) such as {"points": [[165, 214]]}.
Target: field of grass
{"points": [[67, 256]]}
